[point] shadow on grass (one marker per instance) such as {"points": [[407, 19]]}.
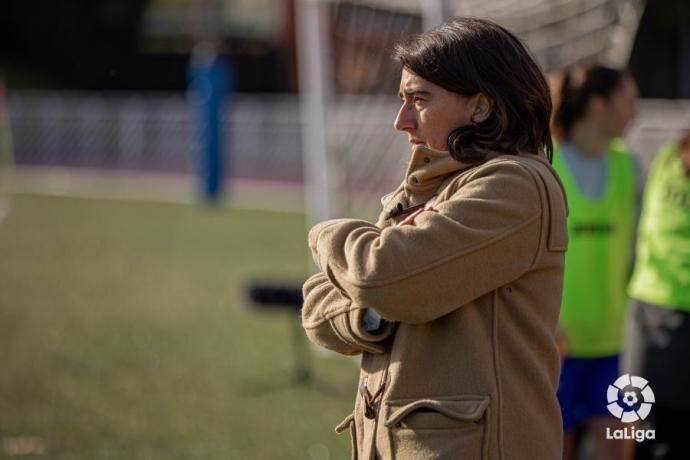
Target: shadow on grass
{"points": [[287, 297]]}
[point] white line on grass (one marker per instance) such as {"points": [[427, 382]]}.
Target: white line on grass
{"points": [[154, 187]]}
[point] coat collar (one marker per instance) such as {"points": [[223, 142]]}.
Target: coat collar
{"points": [[427, 170]]}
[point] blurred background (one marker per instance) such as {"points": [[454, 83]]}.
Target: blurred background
{"points": [[157, 157]]}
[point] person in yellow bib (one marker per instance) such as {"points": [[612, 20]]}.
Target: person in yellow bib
{"points": [[657, 345], [593, 108]]}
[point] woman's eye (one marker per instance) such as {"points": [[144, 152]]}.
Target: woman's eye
{"points": [[417, 99]]}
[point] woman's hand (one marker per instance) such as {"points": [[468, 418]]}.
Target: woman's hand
{"points": [[409, 220]]}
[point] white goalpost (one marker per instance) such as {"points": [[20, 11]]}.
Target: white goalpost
{"points": [[314, 83], [316, 60], [345, 113]]}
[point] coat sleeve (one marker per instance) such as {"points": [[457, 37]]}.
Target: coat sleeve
{"points": [[333, 321], [484, 236]]}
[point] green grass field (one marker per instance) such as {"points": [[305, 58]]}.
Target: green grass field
{"points": [[123, 336]]}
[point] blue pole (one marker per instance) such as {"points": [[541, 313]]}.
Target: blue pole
{"points": [[210, 82]]}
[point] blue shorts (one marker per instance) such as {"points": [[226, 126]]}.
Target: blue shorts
{"points": [[582, 388]]}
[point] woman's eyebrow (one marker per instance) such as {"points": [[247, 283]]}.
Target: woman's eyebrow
{"points": [[414, 92]]}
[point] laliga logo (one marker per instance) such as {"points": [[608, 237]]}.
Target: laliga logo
{"points": [[630, 399]]}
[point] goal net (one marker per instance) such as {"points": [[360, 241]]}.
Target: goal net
{"points": [[349, 82]]}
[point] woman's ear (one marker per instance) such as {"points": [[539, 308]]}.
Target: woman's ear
{"points": [[482, 108]]}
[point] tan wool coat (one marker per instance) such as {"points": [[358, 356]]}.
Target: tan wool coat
{"points": [[466, 365]]}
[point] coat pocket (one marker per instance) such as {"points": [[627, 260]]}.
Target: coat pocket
{"points": [[438, 428], [349, 423]]}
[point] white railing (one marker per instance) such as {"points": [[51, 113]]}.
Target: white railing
{"points": [[154, 132]]}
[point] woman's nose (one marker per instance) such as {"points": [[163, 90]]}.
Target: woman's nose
{"points": [[404, 121]]}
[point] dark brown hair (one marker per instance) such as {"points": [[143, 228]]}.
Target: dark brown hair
{"points": [[573, 89], [684, 141], [470, 56], [684, 151]]}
